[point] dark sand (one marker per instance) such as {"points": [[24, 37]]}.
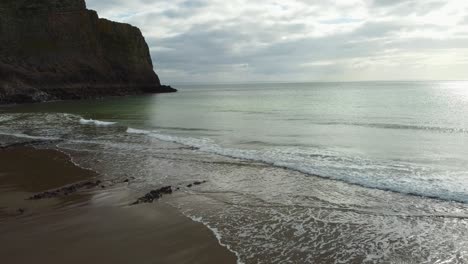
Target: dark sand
{"points": [[92, 226]]}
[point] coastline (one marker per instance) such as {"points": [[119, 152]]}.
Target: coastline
{"points": [[91, 225], [261, 212]]}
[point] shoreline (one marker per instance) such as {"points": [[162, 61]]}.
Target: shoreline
{"points": [[40, 139], [168, 89], [264, 213], [93, 224]]}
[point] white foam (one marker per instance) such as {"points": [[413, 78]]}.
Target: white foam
{"points": [[96, 122], [353, 170], [5, 118], [137, 131], [217, 235], [20, 135]]}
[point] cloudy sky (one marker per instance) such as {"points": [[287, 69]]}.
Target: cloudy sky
{"points": [[299, 40]]}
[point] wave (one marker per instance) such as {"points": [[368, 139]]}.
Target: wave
{"points": [[273, 144], [137, 131], [6, 118], [216, 233], [247, 112], [190, 129], [351, 170], [96, 122], [400, 126], [21, 135], [395, 176]]}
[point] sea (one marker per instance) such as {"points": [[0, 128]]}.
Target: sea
{"points": [[325, 172]]}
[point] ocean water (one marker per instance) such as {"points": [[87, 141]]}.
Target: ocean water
{"points": [[362, 172]]}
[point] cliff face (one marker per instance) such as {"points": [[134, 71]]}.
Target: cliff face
{"points": [[57, 49]]}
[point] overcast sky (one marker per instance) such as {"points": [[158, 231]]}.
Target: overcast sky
{"points": [[299, 40]]}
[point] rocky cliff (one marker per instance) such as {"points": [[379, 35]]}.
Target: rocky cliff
{"points": [[58, 49]]}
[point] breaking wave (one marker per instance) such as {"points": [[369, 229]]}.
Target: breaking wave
{"points": [[382, 175], [96, 122], [401, 126]]}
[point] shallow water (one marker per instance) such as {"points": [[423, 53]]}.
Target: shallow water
{"points": [[345, 157]]}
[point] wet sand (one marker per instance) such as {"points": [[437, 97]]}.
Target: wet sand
{"points": [[91, 226]]}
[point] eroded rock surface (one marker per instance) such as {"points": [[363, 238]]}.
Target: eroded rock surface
{"points": [[58, 49]]}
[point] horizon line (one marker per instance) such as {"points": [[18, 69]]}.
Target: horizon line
{"points": [[316, 81]]}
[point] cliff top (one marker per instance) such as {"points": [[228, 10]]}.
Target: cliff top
{"points": [[44, 5]]}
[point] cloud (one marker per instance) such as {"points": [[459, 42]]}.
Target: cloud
{"points": [[299, 40]]}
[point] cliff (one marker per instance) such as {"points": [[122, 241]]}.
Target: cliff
{"points": [[58, 49]]}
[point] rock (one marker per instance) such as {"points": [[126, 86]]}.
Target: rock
{"points": [[153, 195], [196, 183], [168, 88], [166, 190], [66, 190], [126, 180], [156, 194], [58, 49]]}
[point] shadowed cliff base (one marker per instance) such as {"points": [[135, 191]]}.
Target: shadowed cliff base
{"points": [[59, 50]]}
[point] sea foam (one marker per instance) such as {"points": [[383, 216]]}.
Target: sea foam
{"points": [[217, 234], [352, 170], [6, 118], [137, 131], [21, 135], [96, 122]]}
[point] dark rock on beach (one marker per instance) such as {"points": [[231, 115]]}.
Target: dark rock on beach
{"points": [[153, 195], [58, 50], [65, 191], [196, 183], [199, 182]]}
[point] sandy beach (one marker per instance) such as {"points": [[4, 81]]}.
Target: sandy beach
{"points": [[94, 225]]}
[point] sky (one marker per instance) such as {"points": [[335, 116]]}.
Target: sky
{"points": [[220, 41]]}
